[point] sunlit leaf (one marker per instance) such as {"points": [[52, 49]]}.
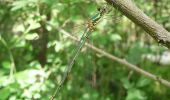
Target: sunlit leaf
{"points": [[33, 25], [31, 36], [115, 37], [58, 46], [135, 94]]}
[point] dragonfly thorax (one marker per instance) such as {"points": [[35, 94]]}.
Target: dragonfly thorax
{"points": [[98, 15], [90, 25]]}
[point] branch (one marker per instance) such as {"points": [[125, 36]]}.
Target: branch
{"points": [[130, 10], [121, 61]]}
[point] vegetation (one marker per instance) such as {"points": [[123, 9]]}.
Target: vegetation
{"points": [[35, 51]]}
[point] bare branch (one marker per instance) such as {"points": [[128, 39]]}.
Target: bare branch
{"points": [[121, 61], [130, 10]]}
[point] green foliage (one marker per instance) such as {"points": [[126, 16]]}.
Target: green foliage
{"points": [[33, 55]]}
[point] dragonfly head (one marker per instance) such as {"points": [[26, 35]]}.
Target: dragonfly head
{"points": [[102, 10]]}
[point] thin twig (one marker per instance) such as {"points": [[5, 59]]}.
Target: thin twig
{"points": [[13, 68], [121, 61]]}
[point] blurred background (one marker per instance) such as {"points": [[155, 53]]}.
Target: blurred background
{"points": [[33, 54]]}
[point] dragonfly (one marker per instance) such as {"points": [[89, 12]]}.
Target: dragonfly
{"points": [[88, 29]]}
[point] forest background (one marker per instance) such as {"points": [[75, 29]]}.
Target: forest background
{"points": [[33, 54]]}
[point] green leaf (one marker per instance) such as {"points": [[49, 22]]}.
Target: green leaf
{"points": [[115, 37], [127, 84], [135, 94], [50, 2], [143, 82], [20, 4], [58, 46], [33, 25], [6, 64], [31, 36], [5, 93]]}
